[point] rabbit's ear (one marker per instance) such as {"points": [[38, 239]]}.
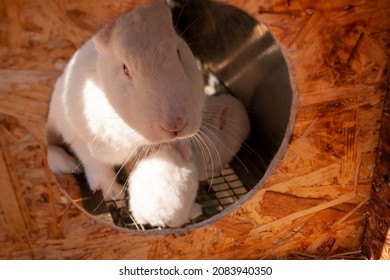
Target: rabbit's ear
{"points": [[222, 118], [102, 37]]}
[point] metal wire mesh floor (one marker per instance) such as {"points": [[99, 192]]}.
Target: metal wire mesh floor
{"points": [[215, 195]]}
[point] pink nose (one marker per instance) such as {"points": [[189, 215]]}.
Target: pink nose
{"points": [[174, 126]]}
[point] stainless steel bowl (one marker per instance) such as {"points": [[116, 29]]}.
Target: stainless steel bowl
{"points": [[243, 54]]}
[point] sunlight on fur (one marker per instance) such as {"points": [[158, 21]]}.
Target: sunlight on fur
{"points": [[156, 137]]}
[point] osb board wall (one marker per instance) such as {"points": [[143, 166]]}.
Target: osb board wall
{"points": [[377, 236], [313, 205]]}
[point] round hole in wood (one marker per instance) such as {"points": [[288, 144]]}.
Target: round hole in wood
{"points": [[248, 63]]}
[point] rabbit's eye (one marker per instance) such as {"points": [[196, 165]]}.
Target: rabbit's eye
{"points": [[178, 54], [126, 71]]}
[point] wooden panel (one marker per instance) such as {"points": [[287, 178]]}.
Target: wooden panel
{"points": [[8, 202], [377, 238]]}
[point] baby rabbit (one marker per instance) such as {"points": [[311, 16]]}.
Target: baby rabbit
{"points": [[134, 84], [163, 187], [225, 127]]}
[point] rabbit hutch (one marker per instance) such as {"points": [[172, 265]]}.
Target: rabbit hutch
{"points": [[311, 182]]}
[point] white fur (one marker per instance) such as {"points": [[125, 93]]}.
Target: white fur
{"points": [[61, 161], [225, 127], [163, 188], [105, 116]]}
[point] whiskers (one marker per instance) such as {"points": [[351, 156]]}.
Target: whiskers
{"points": [[207, 151], [215, 148], [126, 168], [181, 30], [212, 148]]}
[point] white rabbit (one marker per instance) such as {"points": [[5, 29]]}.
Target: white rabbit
{"points": [[163, 188], [225, 127], [134, 84]]}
